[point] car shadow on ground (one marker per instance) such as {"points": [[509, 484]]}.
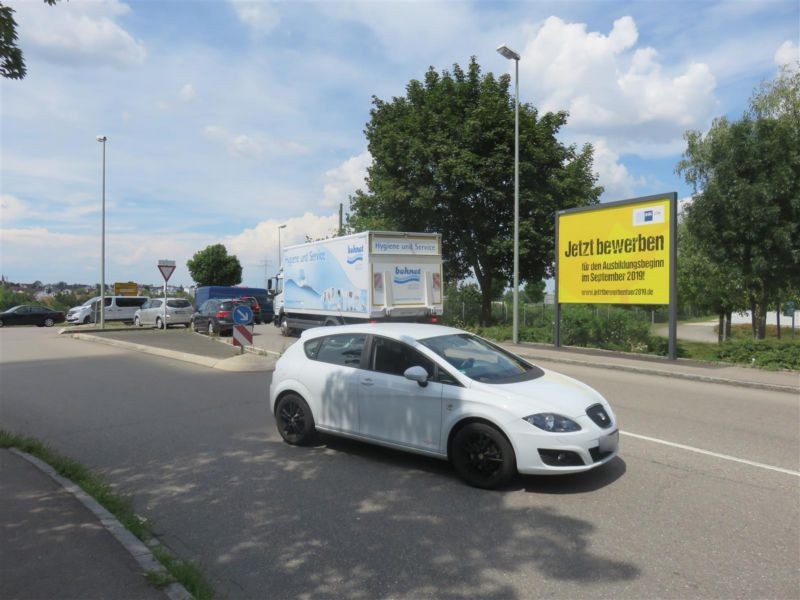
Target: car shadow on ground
{"points": [[576, 483]]}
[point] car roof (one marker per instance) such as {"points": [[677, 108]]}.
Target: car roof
{"points": [[398, 331]]}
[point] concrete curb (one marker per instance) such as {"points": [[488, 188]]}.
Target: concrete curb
{"points": [[772, 387], [140, 553], [197, 359]]}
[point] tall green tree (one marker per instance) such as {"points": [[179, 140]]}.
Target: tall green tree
{"points": [[12, 63], [443, 161], [214, 266], [706, 285], [746, 211]]}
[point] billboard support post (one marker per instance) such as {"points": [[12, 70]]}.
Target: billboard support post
{"points": [[673, 279], [556, 304]]}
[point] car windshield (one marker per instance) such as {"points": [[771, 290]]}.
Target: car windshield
{"points": [[479, 360]]}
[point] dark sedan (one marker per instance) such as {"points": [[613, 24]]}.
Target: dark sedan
{"points": [[215, 316], [29, 314]]}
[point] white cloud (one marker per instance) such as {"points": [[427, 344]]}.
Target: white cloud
{"points": [[261, 17], [787, 54], [613, 89], [240, 146], [78, 32], [129, 256], [252, 146], [187, 93], [260, 243], [11, 208], [612, 175], [345, 179]]}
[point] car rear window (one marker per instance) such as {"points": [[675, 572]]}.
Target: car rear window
{"points": [[179, 303], [228, 305]]}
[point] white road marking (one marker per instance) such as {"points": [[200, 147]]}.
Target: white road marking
{"points": [[709, 453]]}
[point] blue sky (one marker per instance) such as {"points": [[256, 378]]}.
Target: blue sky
{"points": [[226, 119]]}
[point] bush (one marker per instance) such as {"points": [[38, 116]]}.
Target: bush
{"points": [[765, 354]]}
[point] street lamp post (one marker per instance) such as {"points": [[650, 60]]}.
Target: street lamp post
{"points": [[103, 139], [508, 53], [279, 245]]}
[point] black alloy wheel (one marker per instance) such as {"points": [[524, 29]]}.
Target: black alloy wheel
{"points": [[482, 456], [294, 420]]}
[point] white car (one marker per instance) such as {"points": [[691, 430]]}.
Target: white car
{"points": [[82, 314], [179, 312], [441, 392]]}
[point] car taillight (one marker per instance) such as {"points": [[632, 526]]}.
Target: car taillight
{"points": [[223, 313]]}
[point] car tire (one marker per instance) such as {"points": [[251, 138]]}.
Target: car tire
{"points": [[210, 329], [285, 330], [1, 322], [137, 322], [294, 420], [482, 456], [86, 320], [48, 322], [159, 323]]}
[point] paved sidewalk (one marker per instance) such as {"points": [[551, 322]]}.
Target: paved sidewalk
{"points": [[52, 546], [788, 381]]}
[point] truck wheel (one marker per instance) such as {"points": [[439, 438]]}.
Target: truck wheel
{"points": [[285, 331]]}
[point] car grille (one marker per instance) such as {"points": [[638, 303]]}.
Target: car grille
{"points": [[597, 456], [599, 415]]}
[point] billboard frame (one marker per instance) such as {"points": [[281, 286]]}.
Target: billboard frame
{"points": [[672, 197]]}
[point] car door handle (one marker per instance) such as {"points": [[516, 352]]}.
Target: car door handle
{"points": [[367, 382]]}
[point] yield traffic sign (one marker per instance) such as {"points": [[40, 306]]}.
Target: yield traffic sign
{"points": [[166, 267]]}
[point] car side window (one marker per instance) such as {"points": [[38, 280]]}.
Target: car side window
{"points": [[342, 350], [393, 357], [155, 303]]}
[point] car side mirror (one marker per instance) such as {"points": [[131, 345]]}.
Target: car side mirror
{"points": [[418, 374]]}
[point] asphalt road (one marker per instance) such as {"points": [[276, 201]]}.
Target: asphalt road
{"points": [[199, 452]]}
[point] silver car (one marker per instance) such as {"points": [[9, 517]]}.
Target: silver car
{"points": [[178, 312]]}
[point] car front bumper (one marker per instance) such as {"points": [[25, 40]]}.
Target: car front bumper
{"points": [[591, 446]]}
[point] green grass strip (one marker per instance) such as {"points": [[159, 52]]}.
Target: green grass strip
{"points": [[185, 572]]}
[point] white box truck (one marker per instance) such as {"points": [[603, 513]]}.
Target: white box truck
{"points": [[374, 275]]}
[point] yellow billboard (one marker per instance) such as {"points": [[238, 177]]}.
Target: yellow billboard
{"points": [[619, 253]]}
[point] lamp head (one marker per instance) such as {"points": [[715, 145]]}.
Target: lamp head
{"points": [[102, 138], [508, 52]]}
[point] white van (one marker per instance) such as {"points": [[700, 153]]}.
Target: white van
{"points": [[118, 308]]}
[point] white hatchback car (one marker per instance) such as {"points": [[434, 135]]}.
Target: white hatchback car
{"points": [[441, 392], [179, 312]]}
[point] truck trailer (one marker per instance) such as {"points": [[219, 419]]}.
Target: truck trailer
{"points": [[368, 276]]}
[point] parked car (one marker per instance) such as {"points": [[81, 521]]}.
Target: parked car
{"points": [[441, 392], [179, 312], [117, 308], [28, 314], [215, 316], [255, 306], [81, 314]]}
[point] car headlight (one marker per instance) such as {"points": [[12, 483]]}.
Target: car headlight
{"points": [[552, 422]]}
